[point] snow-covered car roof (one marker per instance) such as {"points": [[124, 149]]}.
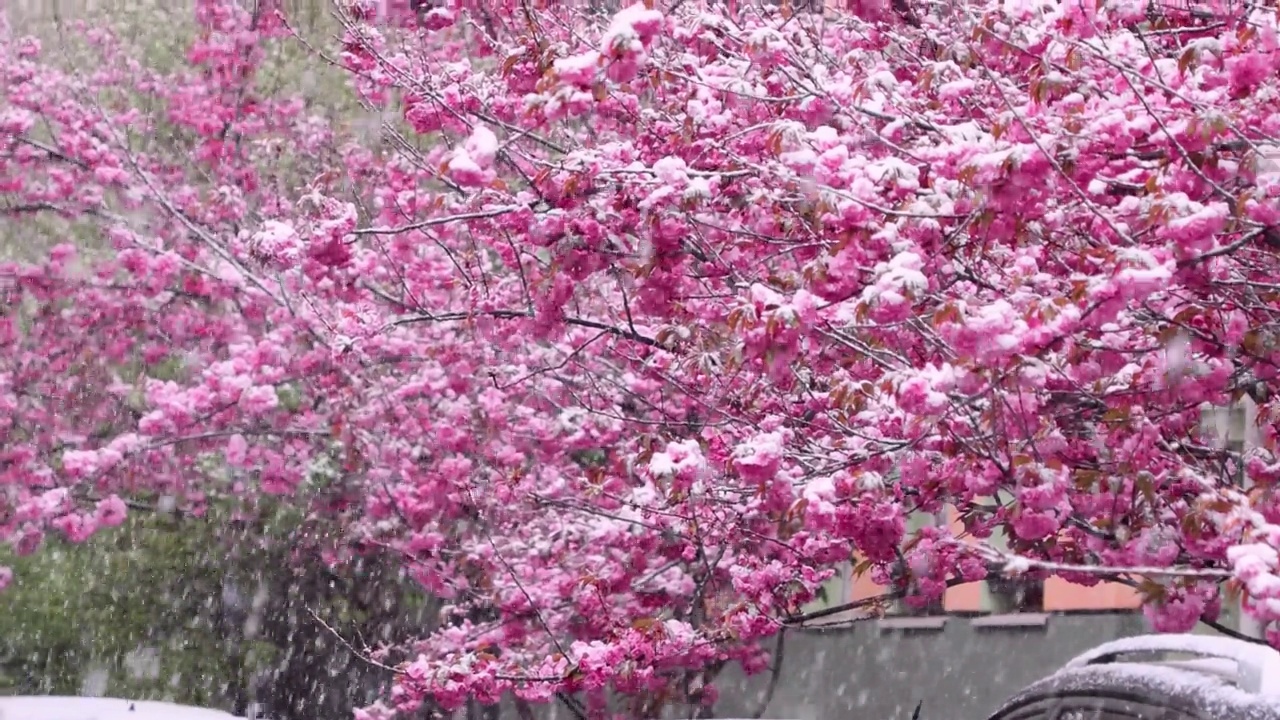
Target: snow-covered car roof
{"points": [[32, 707], [1256, 667], [1210, 678]]}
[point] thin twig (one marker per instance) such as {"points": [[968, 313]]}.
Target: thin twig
{"points": [[349, 647], [432, 222], [778, 656]]}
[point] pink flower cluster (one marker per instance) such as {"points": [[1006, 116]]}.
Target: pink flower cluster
{"points": [[639, 327]]}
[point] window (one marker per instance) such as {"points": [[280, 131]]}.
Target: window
{"points": [[798, 6], [834, 592], [933, 607], [809, 6], [901, 608], [1235, 429], [1010, 595]]}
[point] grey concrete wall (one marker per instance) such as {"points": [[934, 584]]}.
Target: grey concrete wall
{"points": [[961, 671]]}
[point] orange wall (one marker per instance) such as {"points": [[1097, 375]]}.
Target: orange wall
{"points": [[1059, 595], [966, 597], [864, 588], [961, 598]]}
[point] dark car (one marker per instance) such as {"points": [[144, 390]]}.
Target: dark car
{"points": [[1158, 677]]}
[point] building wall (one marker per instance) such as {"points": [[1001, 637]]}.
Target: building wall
{"points": [[1059, 595]]}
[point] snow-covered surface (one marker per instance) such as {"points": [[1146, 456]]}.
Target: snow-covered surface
{"points": [[1161, 683], [28, 707], [1226, 669], [1257, 666]]}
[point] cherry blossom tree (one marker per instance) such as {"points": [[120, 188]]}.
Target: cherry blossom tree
{"points": [[631, 328]]}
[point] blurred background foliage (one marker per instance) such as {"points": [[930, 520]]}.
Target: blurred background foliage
{"points": [[149, 583], [203, 611]]}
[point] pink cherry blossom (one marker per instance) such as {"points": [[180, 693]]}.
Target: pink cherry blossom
{"points": [[110, 512], [624, 333]]}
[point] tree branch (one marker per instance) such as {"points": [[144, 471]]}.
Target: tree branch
{"points": [[518, 314], [778, 656]]}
